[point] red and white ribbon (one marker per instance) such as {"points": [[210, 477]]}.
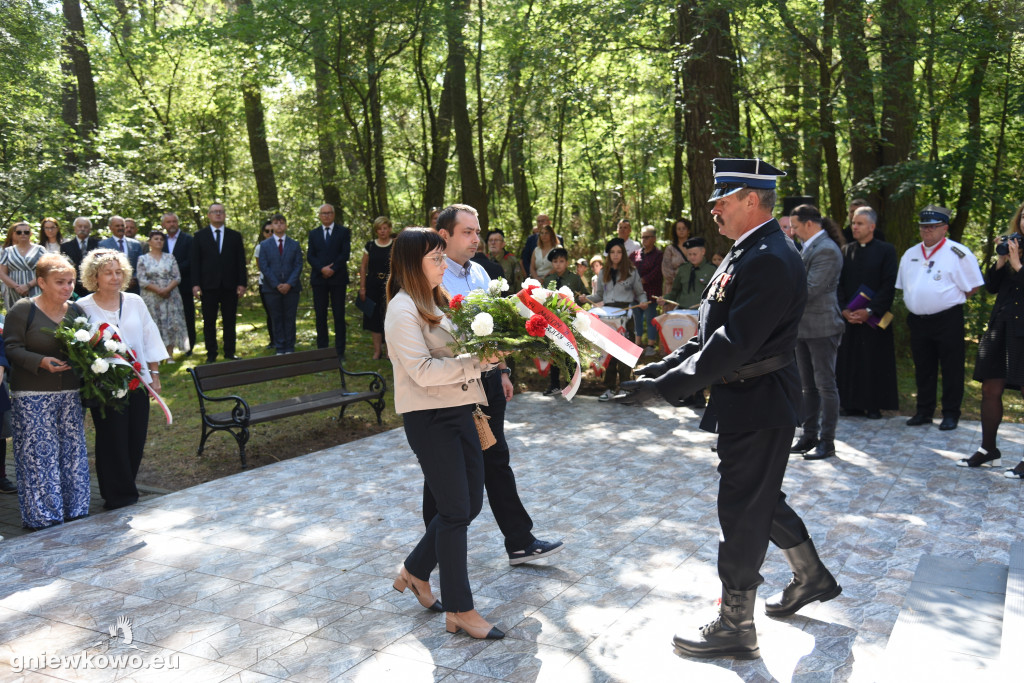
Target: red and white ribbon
{"points": [[556, 331], [132, 362]]}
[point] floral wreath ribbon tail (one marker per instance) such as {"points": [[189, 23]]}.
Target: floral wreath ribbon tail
{"points": [[120, 360]]}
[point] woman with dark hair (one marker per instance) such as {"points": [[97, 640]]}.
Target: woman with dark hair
{"points": [[435, 392], [1000, 363], [159, 277], [373, 272], [674, 254], [49, 235], [265, 233], [619, 287]]}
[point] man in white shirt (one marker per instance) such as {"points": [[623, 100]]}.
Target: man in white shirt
{"points": [[460, 227], [936, 276], [624, 228]]}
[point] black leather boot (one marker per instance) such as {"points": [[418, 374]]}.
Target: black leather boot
{"points": [[811, 581], [731, 634], [805, 443]]}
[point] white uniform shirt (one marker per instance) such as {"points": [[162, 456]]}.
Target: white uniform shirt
{"points": [[940, 282], [631, 246]]}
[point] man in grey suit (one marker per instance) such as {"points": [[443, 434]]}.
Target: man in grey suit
{"points": [[819, 332], [281, 266], [126, 245]]}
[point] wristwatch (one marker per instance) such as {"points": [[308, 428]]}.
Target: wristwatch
{"points": [[506, 371]]}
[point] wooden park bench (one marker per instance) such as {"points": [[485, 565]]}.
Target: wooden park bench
{"points": [[242, 414]]}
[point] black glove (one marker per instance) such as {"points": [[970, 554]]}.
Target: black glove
{"points": [[639, 392], [652, 370]]}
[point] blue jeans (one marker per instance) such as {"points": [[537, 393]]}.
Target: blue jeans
{"points": [[646, 315]]}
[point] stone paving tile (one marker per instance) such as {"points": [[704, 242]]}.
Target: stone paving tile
{"points": [[298, 587]]}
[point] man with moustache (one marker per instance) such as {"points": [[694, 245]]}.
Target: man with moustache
{"points": [[744, 348]]}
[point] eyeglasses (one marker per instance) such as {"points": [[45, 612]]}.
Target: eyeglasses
{"points": [[22, 232], [438, 259]]}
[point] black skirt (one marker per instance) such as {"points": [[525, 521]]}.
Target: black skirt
{"points": [[1000, 356]]}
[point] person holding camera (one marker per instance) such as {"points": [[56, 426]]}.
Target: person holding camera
{"points": [[1000, 362], [936, 276]]}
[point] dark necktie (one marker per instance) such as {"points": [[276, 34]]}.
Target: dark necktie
{"points": [[327, 234], [217, 237], [120, 244], [558, 282], [280, 247], [693, 278]]}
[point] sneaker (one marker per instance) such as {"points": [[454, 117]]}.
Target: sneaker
{"points": [[620, 394], [982, 458], [649, 351], [606, 396], [7, 487], [552, 391], [535, 551], [1016, 473]]}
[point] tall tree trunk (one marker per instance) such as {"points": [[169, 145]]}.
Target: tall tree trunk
{"points": [[259, 150], [256, 127], [826, 118], [516, 146], [899, 108], [789, 142], [677, 205], [711, 117], [325, 143], [810, 131], [78, 53], [472, 190], [997, 166], [858, 85], [380, 178], [972, 150], [69, 106]]}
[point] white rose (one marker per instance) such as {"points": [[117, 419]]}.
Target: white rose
{"points": [[122, 347], [120, 393], [111, 345], [565, 290], [82, 335], [81, 321], [530, 282], [582, 321], [540, 295], [483, 324], [108, 333], [99, 366], [497, 286]]}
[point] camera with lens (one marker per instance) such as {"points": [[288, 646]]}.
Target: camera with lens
{"points": [[1003, 248]]}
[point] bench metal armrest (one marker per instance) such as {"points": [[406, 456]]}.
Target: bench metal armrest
{"points": [[378, 383], [239, 413]]}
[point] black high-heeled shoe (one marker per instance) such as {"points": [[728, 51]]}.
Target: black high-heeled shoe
{"points": [[425, 598]]}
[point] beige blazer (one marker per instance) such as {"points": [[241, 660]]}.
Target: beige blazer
{"points": [[427, 374]]}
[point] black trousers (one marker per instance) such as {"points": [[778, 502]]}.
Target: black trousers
{"points": [[188, 302], [322, 294], [938, 341], [499, 479], [448, 449], [752, 508], [226, 301], [270, 322], [120, 441]]}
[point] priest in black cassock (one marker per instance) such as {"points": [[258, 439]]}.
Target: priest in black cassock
{"points": [[866, 365]]}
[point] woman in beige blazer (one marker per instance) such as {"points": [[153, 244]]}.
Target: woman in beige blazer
{"points": [[436, 393]]}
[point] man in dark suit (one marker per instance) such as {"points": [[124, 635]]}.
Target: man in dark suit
{"points": [[179, 245], [77, 247], [131, 248], [220, 278], [327, 252], [744, 348], [281, 266]]}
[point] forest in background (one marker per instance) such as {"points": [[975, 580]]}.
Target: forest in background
{"points": [[588, 110]]}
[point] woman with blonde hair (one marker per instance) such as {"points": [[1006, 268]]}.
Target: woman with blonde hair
{"points": [[435, 393], [121, 430], [540, 267], [18, 264]]}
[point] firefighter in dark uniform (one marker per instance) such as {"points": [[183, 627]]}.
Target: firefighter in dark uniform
{"points": [[744, 348]]}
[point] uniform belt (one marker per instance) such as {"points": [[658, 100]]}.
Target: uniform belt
{"points": [[761, 367]]}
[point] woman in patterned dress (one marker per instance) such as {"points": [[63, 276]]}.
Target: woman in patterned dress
{"points": [[50, 456], [49, 235], [159, 277], [18, 265]]}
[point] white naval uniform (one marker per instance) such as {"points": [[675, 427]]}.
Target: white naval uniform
{"points": [[940, 282]]}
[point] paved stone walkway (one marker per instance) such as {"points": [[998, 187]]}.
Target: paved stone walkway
{"points": [[285, 572]]}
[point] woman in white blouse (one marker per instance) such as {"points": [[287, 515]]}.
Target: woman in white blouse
{"points": [[121, 433]]}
